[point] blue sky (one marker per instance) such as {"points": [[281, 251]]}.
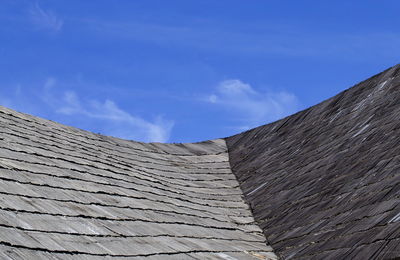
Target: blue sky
{"points": [[184, 71]]}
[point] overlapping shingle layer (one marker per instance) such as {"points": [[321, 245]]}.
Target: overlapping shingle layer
{"points": [[321, 184], [325, 182], [70, 194]]}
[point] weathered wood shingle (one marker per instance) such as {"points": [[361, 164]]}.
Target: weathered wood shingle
{"points": [[321, 184], [325, 183], [70, 194]]}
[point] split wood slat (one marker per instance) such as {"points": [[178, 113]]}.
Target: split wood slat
{"points": [[70, 194], [325, 183]]}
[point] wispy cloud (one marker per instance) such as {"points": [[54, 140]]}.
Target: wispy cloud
{"points": [[45, 19], [120, 123], [13, 97], [289, 39], [250, 106], [58, 103]]}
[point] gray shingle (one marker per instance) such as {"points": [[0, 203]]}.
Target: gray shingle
{"points": [[325, 183], [70, 194], [321, 184]]}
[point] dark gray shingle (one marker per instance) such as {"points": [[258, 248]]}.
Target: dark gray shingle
{"points": [[325, 183]]}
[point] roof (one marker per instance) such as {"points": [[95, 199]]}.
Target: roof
{"points": [[321, 184], [71, 194], [325, 183]]}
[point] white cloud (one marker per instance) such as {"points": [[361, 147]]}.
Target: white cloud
{"points": [[118, 122], [213, 99], [45, 19], [105, 117], [12, 97], [250, 106]]}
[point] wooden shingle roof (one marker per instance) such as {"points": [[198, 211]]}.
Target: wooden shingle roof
{"points": [[70, 194], [325, 183], [321, 184]]}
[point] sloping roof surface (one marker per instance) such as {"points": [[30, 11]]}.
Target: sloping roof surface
{"points": [[321, 184], [325, 182], [70, 194]]}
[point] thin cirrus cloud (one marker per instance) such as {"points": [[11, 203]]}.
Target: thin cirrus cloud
{"points": [[288, 39], [250, 107], [45, 19], [120, 123], [106, 116]]}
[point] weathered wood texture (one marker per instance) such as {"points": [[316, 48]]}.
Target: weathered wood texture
{"points": [[70, 194], [322, 184], [325, 183]]}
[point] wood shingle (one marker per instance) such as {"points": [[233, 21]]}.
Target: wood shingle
{"points": [[70, 194], [325, 183]]}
